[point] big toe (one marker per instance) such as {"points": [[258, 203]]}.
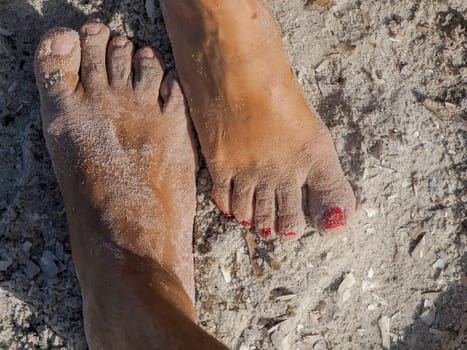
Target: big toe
{"points": [[331, 200], [57, 63]]}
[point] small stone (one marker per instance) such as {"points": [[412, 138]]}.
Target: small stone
{"points": [[226, 274], [428, 313], [27, 247], [347, 283], [346, 295], [371, 307], [439, 264], [371, 273], [48, 265], [56, 341], [31, 269], [5, 264], [371, 212]]}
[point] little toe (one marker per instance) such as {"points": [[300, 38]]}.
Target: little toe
{"points": [[149, 72], [94, 38], [290, 217], [57, 62], [242, 202], [119, 58], [264, 210], [221, 195], [171, 94]]}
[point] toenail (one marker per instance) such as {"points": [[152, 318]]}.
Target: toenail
{"points": [[147, 53], [92, 28], [247, 223], [228, 215], [266, 232], [61, 46], [333, 218], [290, 234], [119, 42]]}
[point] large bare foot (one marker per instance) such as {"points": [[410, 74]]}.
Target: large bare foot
{"points": [[261, 140], [122, 149]]}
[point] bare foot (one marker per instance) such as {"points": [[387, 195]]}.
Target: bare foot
{"points": [[261, 140], [122, 148]]}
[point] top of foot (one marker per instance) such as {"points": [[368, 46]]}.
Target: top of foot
{"points": [[262, 141], [121, 144]]}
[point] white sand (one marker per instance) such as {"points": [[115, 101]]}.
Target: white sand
{"points": [[388, 78]]}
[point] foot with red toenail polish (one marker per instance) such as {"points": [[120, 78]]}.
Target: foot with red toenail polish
{"points": [[261, 140], [228, 215]]}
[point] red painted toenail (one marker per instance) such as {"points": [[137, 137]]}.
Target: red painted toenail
{"points": [[228, 215], [333, 218], [290, 234], [247, 223], [266, 232]]}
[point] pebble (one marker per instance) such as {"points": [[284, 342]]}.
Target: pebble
{"points": [[439, 264], [31, 269], [226, 274], [27, 247], [48, 265], [428, 313], [347, 283], [371, 212], [5, 264]]}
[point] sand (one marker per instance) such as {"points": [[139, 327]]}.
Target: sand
{"points": [[388, 78]]}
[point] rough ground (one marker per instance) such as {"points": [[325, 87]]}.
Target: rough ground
{"points": [[388, 77]]}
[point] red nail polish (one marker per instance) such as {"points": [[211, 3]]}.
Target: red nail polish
{"points": [[290, 234], [333, 218], [247, 223], [266, 232], [228, 215]]}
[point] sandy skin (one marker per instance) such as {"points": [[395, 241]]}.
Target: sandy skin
{"points": [[261, 139], [122, 149]]}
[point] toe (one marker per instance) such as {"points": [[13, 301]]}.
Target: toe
{"points": [[171, 94], [57, 63], [149, 72], [290, 217], [119, 56], [221, 194], [264, 210], [331, 201], [94, 37], [242, 201], [331, 204]]}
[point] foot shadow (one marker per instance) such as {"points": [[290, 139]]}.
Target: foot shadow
{"points": [[35, 255], [442, 325]]}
